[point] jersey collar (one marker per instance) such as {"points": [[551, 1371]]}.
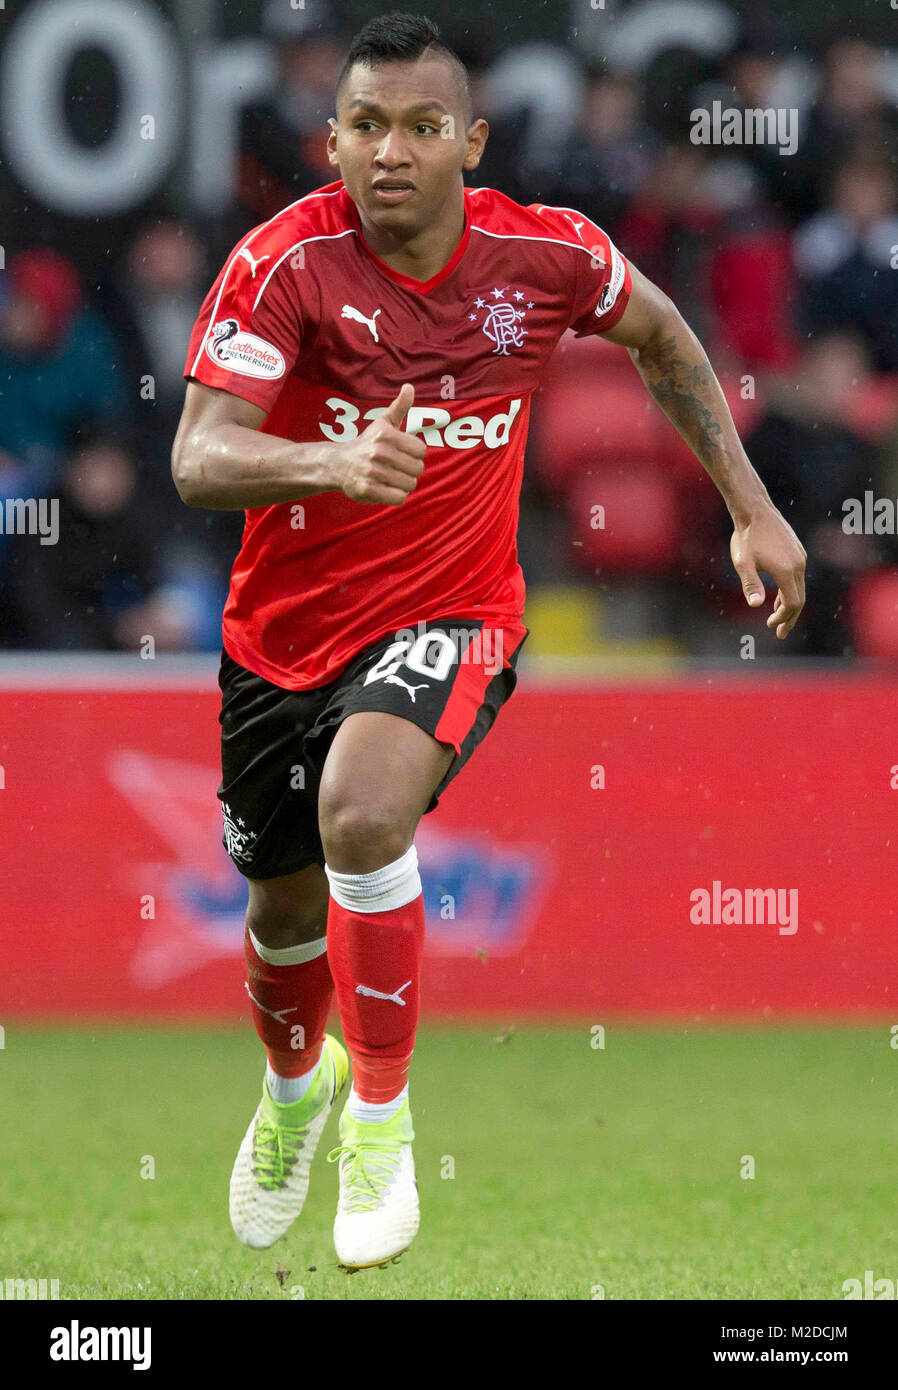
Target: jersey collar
{"points": [[407, 282]]}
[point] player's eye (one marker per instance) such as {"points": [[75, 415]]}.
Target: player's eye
{"points": [[425, 125]]}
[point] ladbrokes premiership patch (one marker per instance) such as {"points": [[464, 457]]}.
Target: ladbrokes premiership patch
{"points": [[608, 297], [241, 352]]}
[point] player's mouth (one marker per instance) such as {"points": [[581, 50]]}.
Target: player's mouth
{"points": [[392, 191]]}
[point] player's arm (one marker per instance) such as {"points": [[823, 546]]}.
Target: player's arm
{"points": [[221, 461], [673, 364]]}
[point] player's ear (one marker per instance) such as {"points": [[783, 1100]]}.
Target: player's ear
{"points": [[475, 140], [332, 141]]}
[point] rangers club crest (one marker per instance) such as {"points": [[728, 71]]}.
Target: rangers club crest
{"points": [[503, 318], [239, 839]]}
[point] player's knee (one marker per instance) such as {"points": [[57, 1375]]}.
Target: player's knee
{"points": [[359, 836], [278, 919]]}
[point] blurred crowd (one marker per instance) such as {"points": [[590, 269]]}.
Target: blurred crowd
{"points": [[785, 265]]}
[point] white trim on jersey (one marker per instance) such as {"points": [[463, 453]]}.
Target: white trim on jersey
{"points": [[553, 241], [558, 207], [352, 231], [616, 271], [252, 235], [325, 236], [540, 208]]}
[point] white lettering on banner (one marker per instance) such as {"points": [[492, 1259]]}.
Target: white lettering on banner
{"points": [[428, 421], [197, 88], [41, 148]]}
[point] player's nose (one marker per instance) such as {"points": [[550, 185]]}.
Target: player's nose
{"points": [[392, 154]]}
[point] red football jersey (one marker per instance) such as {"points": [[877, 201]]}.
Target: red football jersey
{"points": [[305, 321]]}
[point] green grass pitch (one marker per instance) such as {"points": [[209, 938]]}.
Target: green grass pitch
{"points": [[547, 1168]]}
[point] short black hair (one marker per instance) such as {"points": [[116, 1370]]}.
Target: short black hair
{"points": [[398, 38]]}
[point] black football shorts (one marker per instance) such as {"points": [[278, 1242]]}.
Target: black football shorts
{"points": [[450, 677]]}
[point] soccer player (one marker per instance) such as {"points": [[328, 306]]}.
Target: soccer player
{"points": [[359, 381]]}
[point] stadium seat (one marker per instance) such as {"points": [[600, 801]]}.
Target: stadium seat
{"points": [[873, 407], [641, 515], [752, 290], [593, 408], [874, 614], [596, 421]]}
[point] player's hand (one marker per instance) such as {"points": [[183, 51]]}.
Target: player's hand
{"points": [[768, 543], [384, 463]]}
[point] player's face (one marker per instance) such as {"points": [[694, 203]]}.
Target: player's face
{"points": [[400, 142]]}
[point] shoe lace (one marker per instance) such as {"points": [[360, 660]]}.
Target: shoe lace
{"points": [[275, 1151], [370, 1169]]}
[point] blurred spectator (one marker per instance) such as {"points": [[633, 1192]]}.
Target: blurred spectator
{"points": [[502, 165], [850, 117], [151, 299], [753, 289], [667, 228], [539, 86], [611, 152], [98, 586], [59, 363], [844, 253], [812, 462], [283, 144], [756, 74]]}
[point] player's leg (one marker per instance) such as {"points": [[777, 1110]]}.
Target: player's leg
{"points": [[377, 782], [290, 991], [271, 833], [288, 978]]}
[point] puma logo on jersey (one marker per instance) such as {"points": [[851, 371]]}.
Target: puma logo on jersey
{"points": [[348, 312], [397, 680], [274, 1013], [247, 256], [376, 994], [576, 225]]}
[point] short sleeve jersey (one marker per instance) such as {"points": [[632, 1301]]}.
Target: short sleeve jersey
{"points": [[308, 324]]}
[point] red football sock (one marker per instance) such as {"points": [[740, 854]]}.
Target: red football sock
{"points": [[290, 1005], [375, 959]]}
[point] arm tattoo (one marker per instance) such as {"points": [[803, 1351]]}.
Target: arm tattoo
{"points": [[687, 392], [679, 376]]}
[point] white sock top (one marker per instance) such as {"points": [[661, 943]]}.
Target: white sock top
{"points": [[371, 1112], [392, 886]]}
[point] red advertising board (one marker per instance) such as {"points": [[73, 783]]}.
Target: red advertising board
{"points": [[702, 847]]}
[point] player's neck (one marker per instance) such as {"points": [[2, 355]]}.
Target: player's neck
{"points": [[424, 255]]}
